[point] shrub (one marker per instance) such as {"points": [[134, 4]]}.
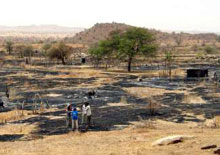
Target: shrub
{"points": [[210, 50], [59, 51]]}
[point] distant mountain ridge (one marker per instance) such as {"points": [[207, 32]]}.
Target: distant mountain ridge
{"points": [[36, 33], [40, 28]]}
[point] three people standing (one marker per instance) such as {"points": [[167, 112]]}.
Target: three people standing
{"points": [[72, 114]]}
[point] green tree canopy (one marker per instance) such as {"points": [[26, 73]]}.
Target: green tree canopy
{"points": [[127, 45]]}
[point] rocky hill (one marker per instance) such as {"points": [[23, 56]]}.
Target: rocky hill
{"points": [[96, 33], [101, 31]]}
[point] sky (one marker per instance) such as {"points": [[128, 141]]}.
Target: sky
{"points": [[173, 15]]}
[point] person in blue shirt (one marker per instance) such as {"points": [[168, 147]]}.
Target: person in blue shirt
{"points": [[75, 125]]}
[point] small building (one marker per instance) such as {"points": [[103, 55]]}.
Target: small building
{"points": [[197, 73]]}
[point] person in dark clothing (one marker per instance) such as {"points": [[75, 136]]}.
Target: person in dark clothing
{"points": [[1, 104], [68, 115], [7, 92]]}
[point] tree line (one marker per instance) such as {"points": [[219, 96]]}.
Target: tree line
{"points": [[121, 47]]}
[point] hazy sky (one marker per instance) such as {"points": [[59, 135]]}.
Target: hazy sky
{"points": [[187, 15]]}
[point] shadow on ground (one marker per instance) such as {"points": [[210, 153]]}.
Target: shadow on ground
{"points": [[13, 137]]}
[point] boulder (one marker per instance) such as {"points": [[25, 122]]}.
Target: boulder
{"points": [[217, 151], [208, 146], [171, 140]]}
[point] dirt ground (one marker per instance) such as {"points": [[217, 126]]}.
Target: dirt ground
{"points": [[122, 119], [136, 139]]}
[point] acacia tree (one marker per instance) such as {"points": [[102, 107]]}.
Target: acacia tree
{"points": [[59, 51], [102, 51], [134, 42], [127, 45], [169, 59], [9, 46]]}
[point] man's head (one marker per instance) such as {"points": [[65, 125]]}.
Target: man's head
{"points": [[86, 103]]}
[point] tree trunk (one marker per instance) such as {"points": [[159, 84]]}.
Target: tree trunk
{"points": [[129, 64], [63, 61]]}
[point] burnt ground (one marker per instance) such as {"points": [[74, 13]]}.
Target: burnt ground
{"points": [[105, 117]]}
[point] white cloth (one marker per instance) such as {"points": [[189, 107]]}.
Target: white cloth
{"points": [[83, 109], [88, 110]]}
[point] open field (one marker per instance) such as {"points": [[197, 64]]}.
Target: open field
{"points": [[122, 120]]}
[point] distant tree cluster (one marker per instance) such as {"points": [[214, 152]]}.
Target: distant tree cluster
{"points": [[59, 51], [24, 50], [125, 46]]}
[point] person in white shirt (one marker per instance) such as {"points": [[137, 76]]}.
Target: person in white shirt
{"points": [[88, 114], [84, 113]]}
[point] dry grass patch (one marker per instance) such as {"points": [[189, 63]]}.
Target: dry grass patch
{"points": [[146, 92], [175, 72], [148, 73], [97, 83], [193, 99], [144, 124], [81, 73], [128, 141], [22, 74], [13, 115], [17, 129]]}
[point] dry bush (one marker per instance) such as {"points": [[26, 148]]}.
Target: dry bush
{"points": [[42, 109], [175, 72], [146, 124], [153, 106], [163, 74], [217, 121]]}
